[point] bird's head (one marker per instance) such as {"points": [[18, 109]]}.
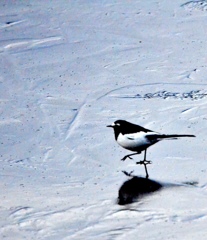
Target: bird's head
{"points": [[118, 124]]}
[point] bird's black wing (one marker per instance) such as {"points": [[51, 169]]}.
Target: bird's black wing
{"points": [[133, 128]]}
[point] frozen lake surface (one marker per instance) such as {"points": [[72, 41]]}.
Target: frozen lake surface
{"points": [[68, 69]]}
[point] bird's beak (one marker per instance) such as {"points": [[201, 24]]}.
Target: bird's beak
{"points": [[112, 125]]}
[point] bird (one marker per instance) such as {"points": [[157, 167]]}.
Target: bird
{"points": [[137, 139]]}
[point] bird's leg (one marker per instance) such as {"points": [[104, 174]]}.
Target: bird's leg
{"points": [[145, 167], [145, 162], [129, 156]]}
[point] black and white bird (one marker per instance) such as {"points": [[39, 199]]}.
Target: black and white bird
{"points": [[137, 139]]}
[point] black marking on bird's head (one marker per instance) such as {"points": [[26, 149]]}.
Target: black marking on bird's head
{"points": [[118, 123], [121, 123], [118, 127]]}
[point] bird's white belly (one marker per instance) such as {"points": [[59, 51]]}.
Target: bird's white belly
{"points": [[134, 142]]}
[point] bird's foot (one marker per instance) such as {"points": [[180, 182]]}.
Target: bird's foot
{"points": [[144, 162], [129, 156], [125, 157]]}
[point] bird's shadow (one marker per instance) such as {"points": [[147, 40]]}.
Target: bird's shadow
{"points": [[136, 187]]}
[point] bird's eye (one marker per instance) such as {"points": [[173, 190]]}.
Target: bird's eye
{"points": [[117, 124]]}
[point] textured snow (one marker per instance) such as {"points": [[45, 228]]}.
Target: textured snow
{"points": [[68, 69]]}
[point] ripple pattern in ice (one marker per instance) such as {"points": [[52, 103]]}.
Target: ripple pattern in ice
{"points": [[193, 95], [196, 5]]}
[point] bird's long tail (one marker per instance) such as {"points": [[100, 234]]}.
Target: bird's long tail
{"points": [[162, 136], [159, 137]]}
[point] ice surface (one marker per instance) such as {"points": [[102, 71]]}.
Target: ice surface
{"points": [[68, 69]]}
